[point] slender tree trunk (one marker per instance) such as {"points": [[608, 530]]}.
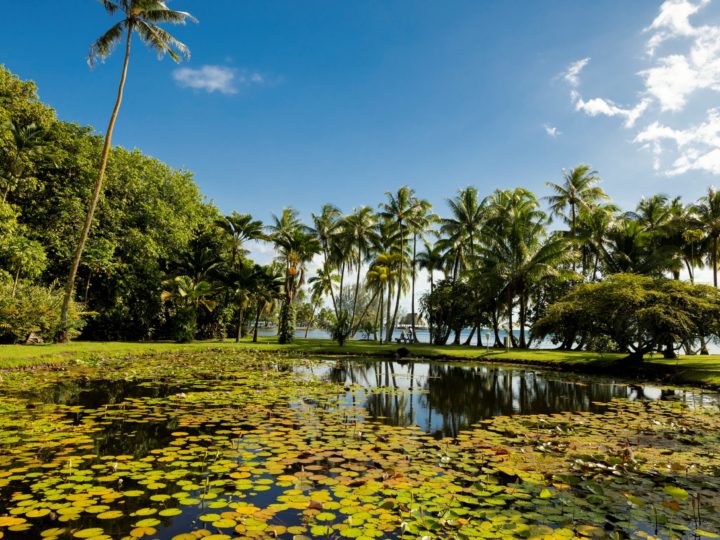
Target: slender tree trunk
{"points": [[572, 231], [496, 327], [353, 330], [257, 322], [312, 319], [15, 282], [387, 315], [691, 274], [391, 329], [715, 261], [468, 341], [510, 335], [377, 319], [342, 282], [429, 321], [241, 321], [70, 285], [412, 301], [357, 287], [523, 313]]}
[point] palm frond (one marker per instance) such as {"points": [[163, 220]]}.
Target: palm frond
{"points": [[106, 43], [161, 41]]}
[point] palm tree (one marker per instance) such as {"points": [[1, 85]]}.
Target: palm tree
{"points": [[419, 223], [140, 16], [28, 142], [462, 230], [381, 276], [296, 249], [578, 190], [323, 281], [431, 260], [360, 229], [320, 285], [241, 282], [707, 215], [593, 225], [240, 228], [517, 252], [189, 295], [399, 210], [325, 227], [266, 289]]}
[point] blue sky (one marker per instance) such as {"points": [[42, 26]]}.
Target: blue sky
{"points": [[305, 102]]}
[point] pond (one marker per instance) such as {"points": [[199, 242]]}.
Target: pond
{"points": [[220, 446]]}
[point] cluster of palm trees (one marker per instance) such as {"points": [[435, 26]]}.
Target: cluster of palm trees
{"points": [[502, 249], [501, 246]]}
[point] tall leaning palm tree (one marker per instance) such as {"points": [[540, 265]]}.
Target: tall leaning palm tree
{"points": [[141, 16], [578, 190]]}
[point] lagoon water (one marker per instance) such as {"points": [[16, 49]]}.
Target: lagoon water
{"points": [[160, 446]]}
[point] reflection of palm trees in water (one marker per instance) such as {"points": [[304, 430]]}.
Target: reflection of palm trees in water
{"points": [[455, 397]]}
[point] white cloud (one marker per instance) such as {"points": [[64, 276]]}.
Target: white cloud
{"points": [[222, 79], [673, 21], [572, 75], [698, 146], [552, 131], [605, 107], [669, 83]]}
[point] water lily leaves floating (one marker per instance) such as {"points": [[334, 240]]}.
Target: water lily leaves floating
{"points": [[258, 447]]}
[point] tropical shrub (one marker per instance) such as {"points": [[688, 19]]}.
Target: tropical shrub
{"points": [[32, 309], [641, 314]]}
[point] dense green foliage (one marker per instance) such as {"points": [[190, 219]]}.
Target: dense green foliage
{"points": [[145, 222], [162, 263], [636, 314]]}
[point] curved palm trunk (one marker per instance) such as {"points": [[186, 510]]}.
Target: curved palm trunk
{"points": [[354, 329], [70, 285], [312, 320]]}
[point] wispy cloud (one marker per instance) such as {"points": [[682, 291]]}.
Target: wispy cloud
{"points": [[690, 63], [572, 74], [221, 79], [552, 131]]}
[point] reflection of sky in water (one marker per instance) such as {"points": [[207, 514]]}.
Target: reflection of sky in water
{"points": [[445, 398]]}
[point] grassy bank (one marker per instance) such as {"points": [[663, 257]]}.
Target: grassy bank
{"points": [[701, 370]]}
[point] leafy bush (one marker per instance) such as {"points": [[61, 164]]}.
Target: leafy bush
{"points": [[640, 314], [33, 309]]}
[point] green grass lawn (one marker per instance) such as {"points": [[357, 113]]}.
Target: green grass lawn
{"points": [[690, 369]]}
